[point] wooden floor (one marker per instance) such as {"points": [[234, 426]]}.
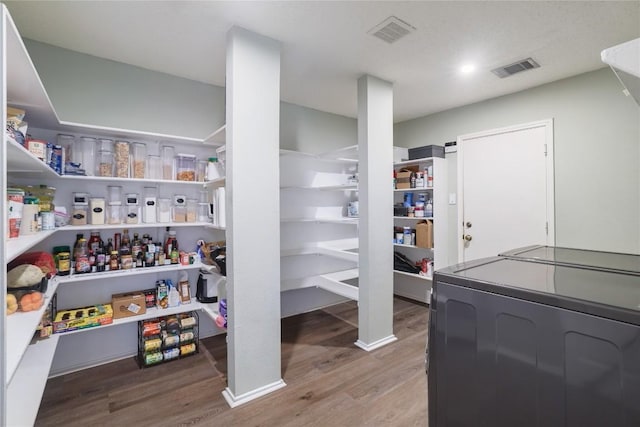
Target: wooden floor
{"points": [[330, 381]]}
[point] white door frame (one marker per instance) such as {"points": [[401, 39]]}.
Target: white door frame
{"points": [[548, 125]]}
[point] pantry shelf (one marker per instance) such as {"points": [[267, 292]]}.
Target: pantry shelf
{"points": [[20, 329], [413, 218], [217, 138], [151, 313], [19, 160], [215, 183], [342, 187], [414, 190], [340, 220], [401, 245], [131, 226], [84, 277], [214, 227], [415, 276], [22, 244], [336, 283], [413, 162], [26, 389], [109, 179]]}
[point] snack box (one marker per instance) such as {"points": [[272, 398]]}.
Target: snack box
{"points": [[80, 318], [128, 304]]}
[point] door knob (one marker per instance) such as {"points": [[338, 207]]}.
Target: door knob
{"points": [[467, 237], [468, 224]]}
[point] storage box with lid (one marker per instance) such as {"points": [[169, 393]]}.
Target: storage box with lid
{"points": [[426, 151]]}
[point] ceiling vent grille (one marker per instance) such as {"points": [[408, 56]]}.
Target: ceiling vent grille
{"points": [[516, 67], [391, 29]]}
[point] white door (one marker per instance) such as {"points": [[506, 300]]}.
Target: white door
{"points": [[505, 187]]}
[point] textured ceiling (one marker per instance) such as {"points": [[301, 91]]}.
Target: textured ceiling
{"points": [[326, 46]]}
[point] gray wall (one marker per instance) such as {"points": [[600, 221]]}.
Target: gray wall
{"points": [[597, 154]]}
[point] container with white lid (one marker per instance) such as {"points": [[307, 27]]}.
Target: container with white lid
{"points": [[185, 167]]}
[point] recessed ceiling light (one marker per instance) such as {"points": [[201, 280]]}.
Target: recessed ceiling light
{"points": [[467, 68]]}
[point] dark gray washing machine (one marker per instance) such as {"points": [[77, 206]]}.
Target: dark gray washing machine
{"points": [[552, 341]]}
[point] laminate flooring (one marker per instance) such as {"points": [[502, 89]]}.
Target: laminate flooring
{"points": [[330, 381]]}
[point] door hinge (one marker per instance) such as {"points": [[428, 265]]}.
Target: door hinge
{"points": [[545, 150]]}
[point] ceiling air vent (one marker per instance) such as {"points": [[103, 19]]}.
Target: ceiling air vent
{"points": [[516, 67], [391, 29]]}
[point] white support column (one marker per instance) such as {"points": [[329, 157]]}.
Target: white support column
{"points": [[3, 215], [253, 216], [375, 146]]}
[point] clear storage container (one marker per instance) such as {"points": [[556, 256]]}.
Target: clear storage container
{"points": [[168, 157], [97, 210], [192, 210], [138, 160], [201, 170], [106, 162], [132, 214], [114, 213], [114, 194], [203, 212], [164, 210], [79, 214], [186, 167], [154, 167], [149, 202], [88, 147], [122, 158]]}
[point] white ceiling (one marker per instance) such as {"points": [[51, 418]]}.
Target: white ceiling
{"points": [[325, 45]]}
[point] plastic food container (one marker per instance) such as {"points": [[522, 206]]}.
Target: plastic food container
{"points": [[88, 147], [168, 157], [97, 208], [114, 194], [114, 213], [185, 167], [164, 210], [192, 210], [154, 167], [149, 207], [201, 170], [105, 164], [203, 212], [122, 156], [79, 215], [138, 160]]}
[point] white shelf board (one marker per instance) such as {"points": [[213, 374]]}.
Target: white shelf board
{"points": [[19, 160], [149, 314], [340, 187], [218, 137], [84, 277], [214, 227], [414, 161], [334, 282], [410, 190], [401, 245], [413, 218], [131, 226], [209, 310], [215, 183], [342, 157], [340, 220], [345, 249], [109, 179], [415, 276], [346, 154], [19, 245], [26, 389], [20, 327]]}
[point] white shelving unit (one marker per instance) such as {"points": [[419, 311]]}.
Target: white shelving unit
{"points": [[417, 286], [316, 250], [24, 368]]}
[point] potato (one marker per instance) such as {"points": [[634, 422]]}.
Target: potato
{"points": [[12, 304]]}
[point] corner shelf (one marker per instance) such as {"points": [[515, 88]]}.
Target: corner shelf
{"points": [[413, 190], [414, 161], [217, 138], [20, 160], [85, 277], [342, 187], [20, 327], [414, 276], [19, 245], [413, 218]]}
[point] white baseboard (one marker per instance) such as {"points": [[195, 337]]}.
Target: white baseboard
{"points": [[234, 401], [376, 344]]}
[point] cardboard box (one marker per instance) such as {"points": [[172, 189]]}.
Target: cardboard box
{"points": [[403, 180], [424, 234], [80, 318], [128, 304]]}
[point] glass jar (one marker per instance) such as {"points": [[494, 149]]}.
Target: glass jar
{"points": [[154, 167], [168, 157], [105, 164], [122, 156], [185, 167], [138, 160]]}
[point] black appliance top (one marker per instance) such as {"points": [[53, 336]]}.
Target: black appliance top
{"points": [[599, 260], [614, 295]]}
